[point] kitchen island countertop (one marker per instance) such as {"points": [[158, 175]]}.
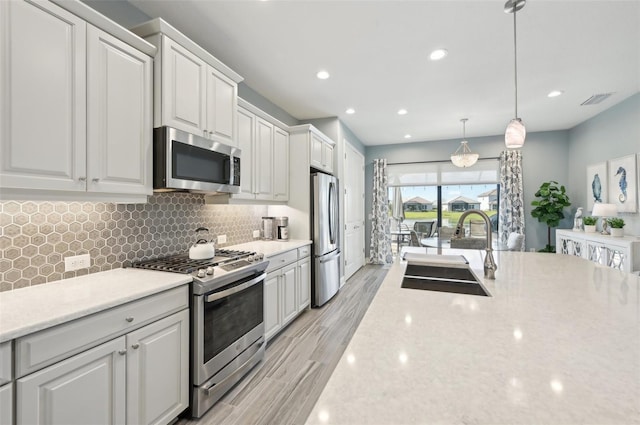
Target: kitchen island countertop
{"points": [[34, 308], [558, 342]]}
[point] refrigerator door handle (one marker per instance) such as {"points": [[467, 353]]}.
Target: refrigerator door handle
{"points": [[332, 213], [330, 257]]}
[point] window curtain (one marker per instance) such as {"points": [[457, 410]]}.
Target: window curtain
{"points": [[511, 196], [380, 248]]}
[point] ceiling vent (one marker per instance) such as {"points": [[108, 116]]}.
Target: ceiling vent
{"points": [[596, 98]]}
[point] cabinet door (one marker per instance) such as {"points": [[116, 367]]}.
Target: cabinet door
{"points": [[327, 156], [289, 301], [263, 159], [272, 321], [88, 388], [304, 283], [316, 151], [222, 104], [118, 117], [158, 370], [184, 82], [42, 97], [280, 165], [246, 135], [6, 404]]}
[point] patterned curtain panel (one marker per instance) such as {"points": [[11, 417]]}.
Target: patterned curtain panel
{"points": [[380, 249], [511, 196]]}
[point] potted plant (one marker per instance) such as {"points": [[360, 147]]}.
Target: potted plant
{"points": [[549, 208], [617, 226], [589, 223]]}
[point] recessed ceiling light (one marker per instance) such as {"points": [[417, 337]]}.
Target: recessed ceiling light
{"points": [[402, 112], [323, 75], [438, 54], [350, 111], [555, 93], [407, 136]]}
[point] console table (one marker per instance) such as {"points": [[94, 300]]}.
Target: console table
{"points": [[618, 253]]}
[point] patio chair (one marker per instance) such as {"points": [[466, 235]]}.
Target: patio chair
{"points": [[424, 229], [477, 229]]}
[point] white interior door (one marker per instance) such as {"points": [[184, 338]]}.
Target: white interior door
{"points": [[354, 210]]}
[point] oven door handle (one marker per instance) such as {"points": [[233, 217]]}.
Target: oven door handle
{"points": [[231, 291]]}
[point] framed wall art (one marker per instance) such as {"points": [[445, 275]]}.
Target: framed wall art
{"points": [[597, 186], [623, 183]]}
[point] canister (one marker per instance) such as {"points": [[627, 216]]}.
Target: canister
{"points": [[268, 230]]}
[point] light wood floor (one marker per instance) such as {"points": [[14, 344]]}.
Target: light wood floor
{"points": [[284, 387]]}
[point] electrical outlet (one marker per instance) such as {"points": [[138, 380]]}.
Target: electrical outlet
{"points": [[77, 262], [256, 233], [222, 239]]}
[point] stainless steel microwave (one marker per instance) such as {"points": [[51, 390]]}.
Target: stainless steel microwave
{"points": [[186, 162]]}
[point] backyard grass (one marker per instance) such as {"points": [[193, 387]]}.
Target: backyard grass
{"points": [[451, 216]]}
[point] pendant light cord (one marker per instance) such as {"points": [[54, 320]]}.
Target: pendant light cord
{"points": [[515, 57]]}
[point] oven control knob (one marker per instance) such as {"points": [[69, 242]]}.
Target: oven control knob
{"points": [[209, 270], [251, 258], [259, 257], [201, 273]]}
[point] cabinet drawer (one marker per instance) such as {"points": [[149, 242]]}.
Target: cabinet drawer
{"points": [[46, 347], [304, 251], [5, 362], [281, 260]]}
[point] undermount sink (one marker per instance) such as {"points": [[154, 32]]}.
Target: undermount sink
{"points": [[456, 278]]}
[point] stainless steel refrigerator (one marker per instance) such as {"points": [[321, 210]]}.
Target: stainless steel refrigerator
{"points": [[325, 232]]}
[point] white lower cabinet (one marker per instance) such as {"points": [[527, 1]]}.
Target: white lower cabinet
{"points": [[304, 283], [140, 377], [286, 289], [158, 370], [86, 388], [6, 404]]}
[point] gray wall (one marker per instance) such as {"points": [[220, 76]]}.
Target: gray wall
{"points": [[545, 157], [256, 99], [610, 134], [119, 11]]}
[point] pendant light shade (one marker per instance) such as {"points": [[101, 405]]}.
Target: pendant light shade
{"points": [[515, 133], [463, 157]]}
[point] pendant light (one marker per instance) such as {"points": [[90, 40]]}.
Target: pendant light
{"points": [[515, 133], [463, 157]]}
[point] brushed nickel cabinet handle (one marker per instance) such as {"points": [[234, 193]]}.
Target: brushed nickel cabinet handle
{"points": [[122, 352], [129, 319], [135, 346]]}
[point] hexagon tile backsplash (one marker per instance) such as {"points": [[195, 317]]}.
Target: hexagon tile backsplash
{"points": [[35, 237]]}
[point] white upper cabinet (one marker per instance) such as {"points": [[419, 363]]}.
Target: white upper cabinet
{"points": [[183, 89], [263, 154], [321, 152], [222, 105], [194, 91], [264, 158], [246, 136], [119, 116], [43, 97], [75, 106], [280, 165]]}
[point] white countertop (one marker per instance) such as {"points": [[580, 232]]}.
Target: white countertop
{"points": [[27, 310], [558, 342], [270, 248]]}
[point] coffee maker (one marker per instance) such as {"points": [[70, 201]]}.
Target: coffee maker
{"points": [[282, 228]]}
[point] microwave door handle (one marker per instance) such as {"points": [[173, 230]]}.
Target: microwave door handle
{"points": [[235, 289]]}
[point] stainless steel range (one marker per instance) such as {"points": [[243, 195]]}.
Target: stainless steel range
{"points": [[227, 324]]}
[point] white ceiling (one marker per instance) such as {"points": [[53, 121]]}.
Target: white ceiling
{"points": [[377, 55]]}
